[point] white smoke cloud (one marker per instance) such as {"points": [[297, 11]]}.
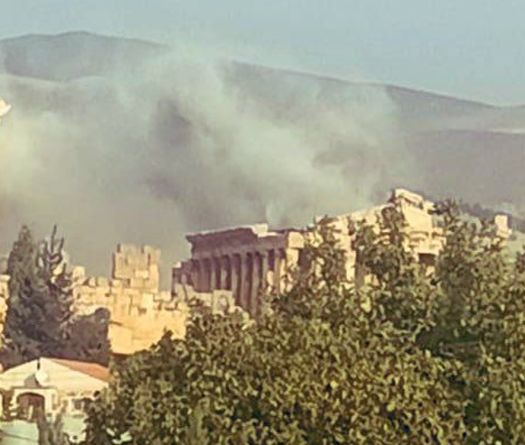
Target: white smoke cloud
{"points": [[182, 143]]}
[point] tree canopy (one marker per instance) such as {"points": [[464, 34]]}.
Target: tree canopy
{"points": [[40, 320], [417, 354]]}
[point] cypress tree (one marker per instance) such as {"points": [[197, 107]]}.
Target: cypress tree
{"points": [[54, 296], [21, 266], [40, 320]]}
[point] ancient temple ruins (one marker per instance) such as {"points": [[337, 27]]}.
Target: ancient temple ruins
{"points": [[251, 259], [228, 270], [242, 260]]}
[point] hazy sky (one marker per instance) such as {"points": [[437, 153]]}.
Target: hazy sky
{"points": [[469, 48]]}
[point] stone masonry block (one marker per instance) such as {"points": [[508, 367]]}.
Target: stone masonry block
{"points": [[102, 281]]}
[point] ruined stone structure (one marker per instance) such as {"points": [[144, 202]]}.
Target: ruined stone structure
{"points": [[242, 260], [140, 311], [248, 260], [228, 269], [132, 289]]}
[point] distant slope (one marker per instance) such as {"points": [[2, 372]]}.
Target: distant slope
{"points": [[461, 146], [478, 166], [145, 155], [416, 108], [71, 55], [75, 55]]}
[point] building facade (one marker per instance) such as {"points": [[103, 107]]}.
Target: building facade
{"points": [[49, 386]]}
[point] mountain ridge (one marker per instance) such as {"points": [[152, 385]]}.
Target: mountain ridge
{"points": [[99, 142], [102, 38]]}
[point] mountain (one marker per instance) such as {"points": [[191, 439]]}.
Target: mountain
{"points": [[71, 55], [77, 55], [133, 141]]}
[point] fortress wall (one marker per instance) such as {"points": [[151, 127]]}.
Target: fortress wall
{"points": [[140, 311]]}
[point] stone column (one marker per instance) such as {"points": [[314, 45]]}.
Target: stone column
{"points": [[226, 273], [256, 282], [218, 273], [196, 274], [278, 270], [265, 284], [213, 275], [246, 280], [205, 282], [236, 262]]}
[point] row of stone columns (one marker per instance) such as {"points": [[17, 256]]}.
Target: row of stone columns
{"points": [[245, 274]]}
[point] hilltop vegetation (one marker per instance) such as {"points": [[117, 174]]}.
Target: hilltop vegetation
{"points": [[411, 357]]}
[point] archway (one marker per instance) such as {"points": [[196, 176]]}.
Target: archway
{"points": [[31, 406]]}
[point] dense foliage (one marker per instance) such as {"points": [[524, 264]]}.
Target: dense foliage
{"points": [[40, 321], [418, 354]]}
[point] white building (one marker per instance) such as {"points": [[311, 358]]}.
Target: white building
{"points": [[50, 385]]}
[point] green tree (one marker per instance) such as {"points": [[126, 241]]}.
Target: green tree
{"points": [[86, 338], [325, 366], [399, 283], [476, 320], [40, 299], [470, 311], [21, 266], [40, 320]]}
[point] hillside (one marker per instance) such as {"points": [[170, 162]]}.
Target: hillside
{"points": [[71, 56], [131, 141]]}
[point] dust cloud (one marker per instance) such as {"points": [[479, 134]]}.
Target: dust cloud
{"points": [[180, 143]]}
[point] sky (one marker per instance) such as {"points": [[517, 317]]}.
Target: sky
{"points": [[468, 48]]}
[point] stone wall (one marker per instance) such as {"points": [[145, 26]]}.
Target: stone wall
{"points": [[132, 333], [140, 311], [133, 288]]}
